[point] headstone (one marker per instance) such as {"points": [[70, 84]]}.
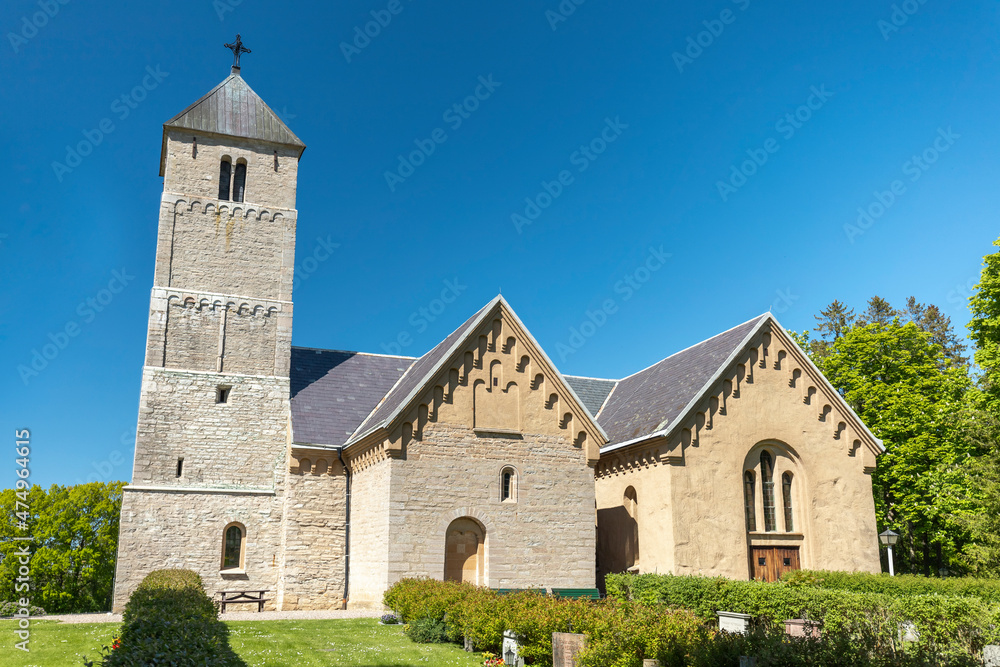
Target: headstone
{"points": [[650, 662], [991, 656], [801, 627], [732, 622], [467, 644], [747, 661], [565, 647], [511, 644], [908, 632]]}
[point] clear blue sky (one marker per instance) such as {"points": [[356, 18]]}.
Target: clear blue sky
{"points": [[881, 93]]}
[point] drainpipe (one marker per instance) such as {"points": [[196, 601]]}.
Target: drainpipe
{"points": [[347, 525]]}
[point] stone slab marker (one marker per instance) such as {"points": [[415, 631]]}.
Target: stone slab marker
{"points": [[566, 647], [991, 656]]}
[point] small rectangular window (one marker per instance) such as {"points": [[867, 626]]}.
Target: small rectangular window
{"points": [[788, 561], [180, 466], [761, 561], [222, 394]]}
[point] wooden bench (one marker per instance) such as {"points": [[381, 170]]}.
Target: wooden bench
{"points": [[242, 597], [577, 593]]}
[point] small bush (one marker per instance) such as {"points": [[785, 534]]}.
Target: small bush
{"points": [[169, 620], [901, 585], [8, 609], [389, 619], [427, 631]]}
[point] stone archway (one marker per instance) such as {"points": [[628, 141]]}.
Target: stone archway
{"points": [[465, 552]]}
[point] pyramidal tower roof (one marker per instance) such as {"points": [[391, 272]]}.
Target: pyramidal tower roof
{"points": [[233, 109]]}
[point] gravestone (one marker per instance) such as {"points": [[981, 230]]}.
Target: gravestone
{"points": [[908, 632], [801, 627], [512, 644], [565, 647], [732, 622], [991, 656]]}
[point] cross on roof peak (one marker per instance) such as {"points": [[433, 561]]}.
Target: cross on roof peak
{"points": [[238, 49]]}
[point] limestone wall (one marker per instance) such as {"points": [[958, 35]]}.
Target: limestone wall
{"points": [[314, 546], [185, 530], [240, 443], [370, 534]]}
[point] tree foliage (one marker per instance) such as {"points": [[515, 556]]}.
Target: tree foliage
{"points": [[984, 327], [74, 533]]}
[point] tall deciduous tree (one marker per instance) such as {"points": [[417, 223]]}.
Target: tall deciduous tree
{"points": [[74, 533], [895, 378], [984, 328]]}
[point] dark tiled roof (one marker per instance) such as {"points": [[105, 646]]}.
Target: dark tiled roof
{"points": [[648, 401], [419, 371], [592, 391], [233, 109], [332, 391]]}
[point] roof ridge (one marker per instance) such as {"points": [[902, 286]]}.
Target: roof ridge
{"points": [[368, 354], [587, 377], [721, 333]]}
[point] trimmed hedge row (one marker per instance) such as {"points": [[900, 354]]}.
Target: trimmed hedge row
{"points": [[169, 620], [620, 634], [947, 625], [987, 590]]}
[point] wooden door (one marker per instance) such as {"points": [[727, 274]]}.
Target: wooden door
{"points": [[769, 563]]}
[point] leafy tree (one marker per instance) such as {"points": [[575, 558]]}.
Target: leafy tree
{"points": [[895, 377], [832, 323], [74, 534], [938, 325], [984, 328]]}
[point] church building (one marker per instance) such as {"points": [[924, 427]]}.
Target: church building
{"points": [[323, 476]]}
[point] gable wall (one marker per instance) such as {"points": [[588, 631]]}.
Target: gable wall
{"points": [[450, 450], [833, 505]]}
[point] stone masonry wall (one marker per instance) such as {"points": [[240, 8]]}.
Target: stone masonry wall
{"points": [[241, 443], [315, 532], [185, 530], [369, 535]]}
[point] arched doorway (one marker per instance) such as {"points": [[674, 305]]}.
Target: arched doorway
{"points": [[631, 503], [465, 552]]}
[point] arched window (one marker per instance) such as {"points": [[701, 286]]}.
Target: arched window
{"points": [[786, 496], [225, 173], [767, 487], [508, 484], [233, 543], [748, 501], [239, 180]]}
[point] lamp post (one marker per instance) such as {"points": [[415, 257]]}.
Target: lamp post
{"points": [[888, 539]]}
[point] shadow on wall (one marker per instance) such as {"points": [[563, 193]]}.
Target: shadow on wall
{"points": [[617, 542]]}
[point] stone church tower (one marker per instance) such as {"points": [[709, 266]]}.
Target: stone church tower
{"points": [[213, 430]]}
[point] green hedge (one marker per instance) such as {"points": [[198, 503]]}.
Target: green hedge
{"points": [[987, 590], [947, 625], [620, 634], [169, 620]]}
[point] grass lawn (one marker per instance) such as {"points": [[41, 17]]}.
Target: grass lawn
{"points": [[359, 642]]}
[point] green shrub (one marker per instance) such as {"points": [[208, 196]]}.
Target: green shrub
{"points": [[948, 626], [169, 620], [901, 585], [10, 608], [427, 631]]}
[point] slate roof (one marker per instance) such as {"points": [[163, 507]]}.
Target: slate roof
{"points": [[649, 400], [592, 391], [333, 391]]}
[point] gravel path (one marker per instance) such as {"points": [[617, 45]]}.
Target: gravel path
{"points": [[229, 616]]}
